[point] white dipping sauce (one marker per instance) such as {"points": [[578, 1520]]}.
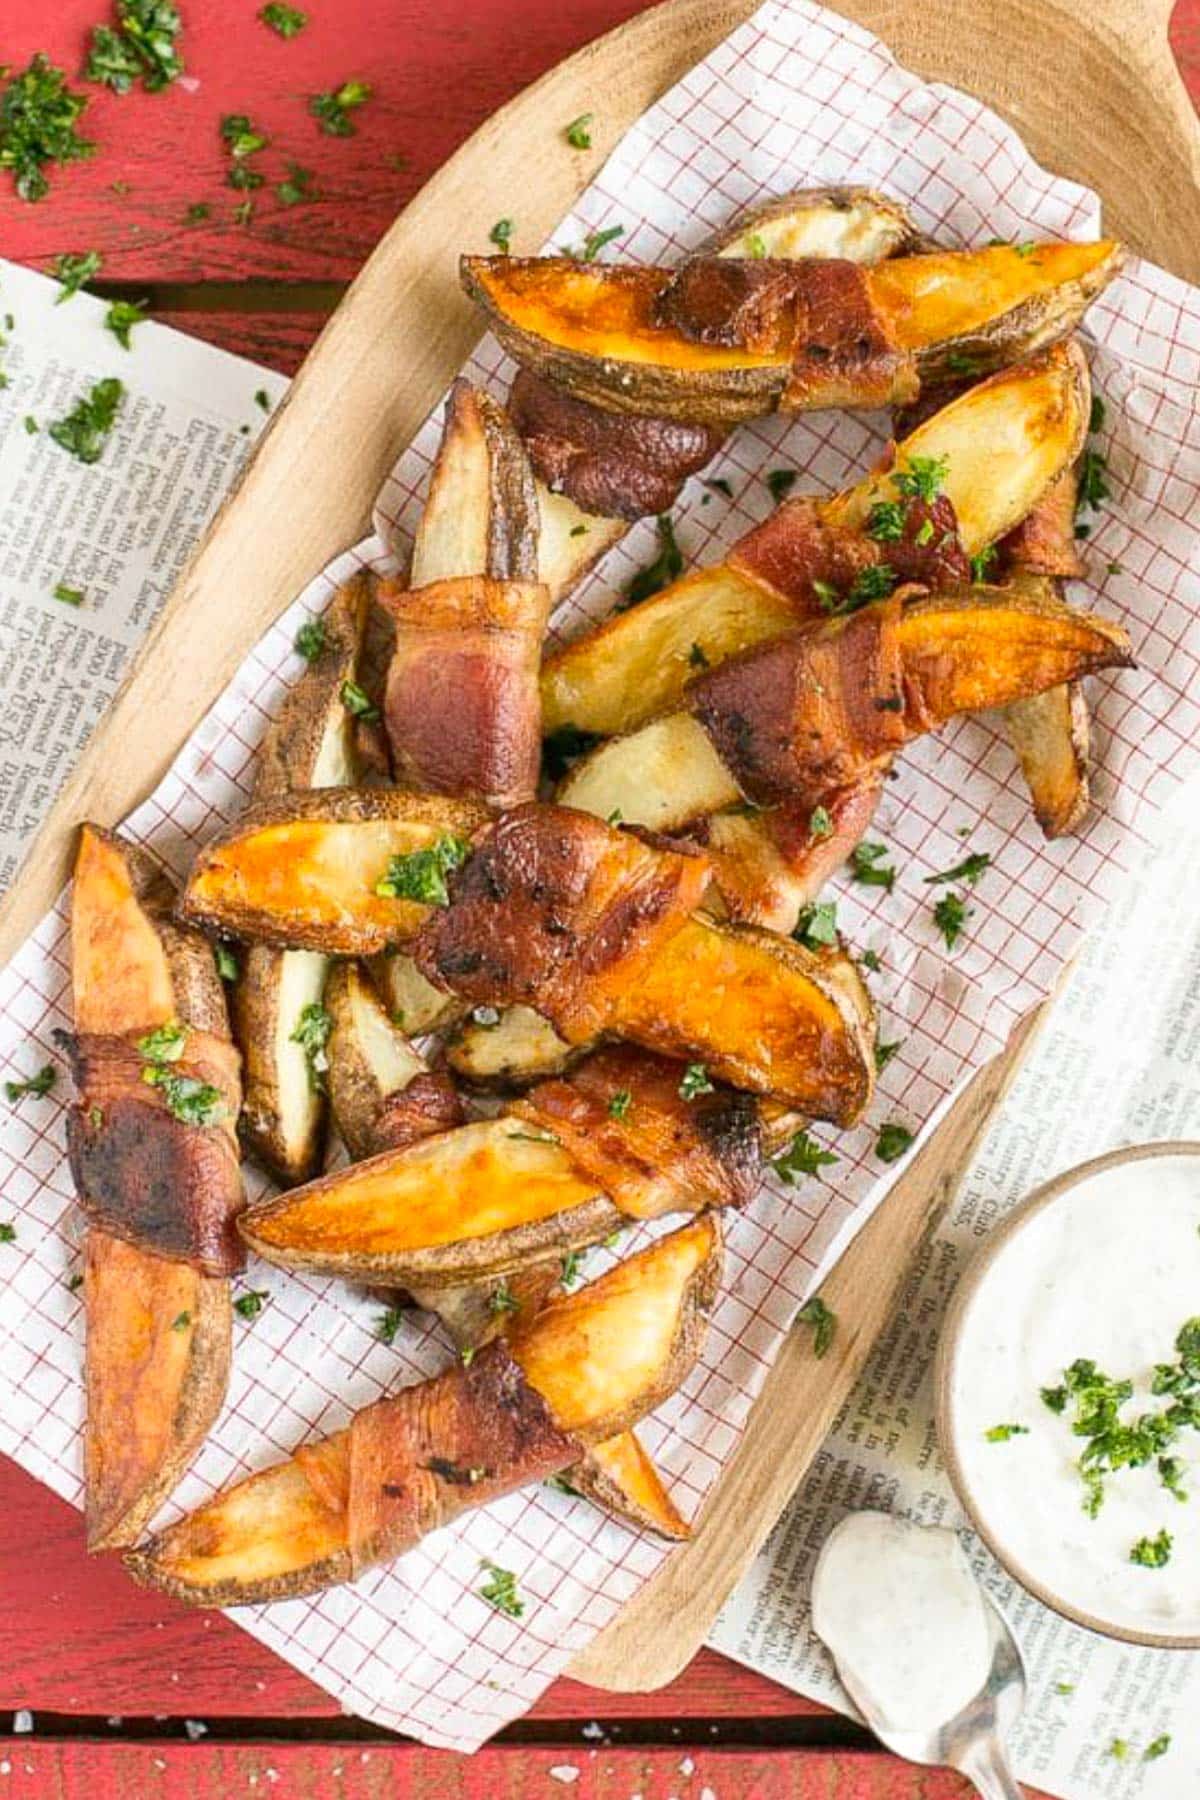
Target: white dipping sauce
{"points": [[1108, 1270], [904, 1617]]}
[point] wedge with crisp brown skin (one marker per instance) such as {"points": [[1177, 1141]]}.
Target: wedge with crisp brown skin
{"points": [[593, 475], [621, 1478], [1000, 445], [158, 1331], [310, 744], [823, 709], [587, 1368], [301, 871], [595, 329]]}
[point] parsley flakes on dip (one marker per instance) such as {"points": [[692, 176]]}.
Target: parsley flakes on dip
{"points": [[1068, 1389]]}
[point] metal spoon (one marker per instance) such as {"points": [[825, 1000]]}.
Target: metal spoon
{"points": [[973, 1741]]}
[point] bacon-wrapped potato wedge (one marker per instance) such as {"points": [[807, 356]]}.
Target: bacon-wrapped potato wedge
{"points": [[585, 1369], [158, 1326], [816, 712], [310, 744], [997, 447], [722, 339]]}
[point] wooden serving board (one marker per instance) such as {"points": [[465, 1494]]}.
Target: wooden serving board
{"points": [[1092, 89]]}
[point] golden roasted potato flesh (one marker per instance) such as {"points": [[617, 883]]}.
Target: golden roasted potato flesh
{"points": [[481, 515], [1051, 734], [1000, 444], [513, 1045], [120, 973], [302, 872], [387, 1217], [619, 1476], [855, 223], [660, 777], [601, 1358]]}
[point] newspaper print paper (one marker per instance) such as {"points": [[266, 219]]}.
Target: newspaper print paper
{"points": [[794, 97]]}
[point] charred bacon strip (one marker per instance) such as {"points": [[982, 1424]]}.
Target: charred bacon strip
{"points": [[463, 710], [557, 910], [619, 465], [817, 711], [432, 1452], [798, 553]]}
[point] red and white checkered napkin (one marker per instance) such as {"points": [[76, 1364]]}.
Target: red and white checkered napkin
{"points": [[795, 97]]}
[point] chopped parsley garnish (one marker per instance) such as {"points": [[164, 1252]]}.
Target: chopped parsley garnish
{"points": [[950, 915], [1119, 1749], [570, 1267], [577, 133], [615, 817], [75, 1283], [968, 870], [922, 477], [500, 1591], [38, 114], [667, 565], [827, 595], [142, 43], [694, 1081], [312, 1034], [892, 1142], [388, 1324], [595, 242], [285, 21], [870, 960], [959, 363], [262, 399], [332, 110], [697, 658], [227, 962], [1064, 1687], [620, 1103], [867, 866], [8, 1233], [68, 595], [164, 1044], [981, 564], [310, 640], [803, 1156], [503, 1300], [885, 522], [1093, 483], [1170, 1473], [719, 485], [1096, 414], [249, 1305], [192, 1101], [1152, 1552], [197, 212], [85, 429], [297, 187], [121, 318], [561, 1485], [34, 1087], [874, 583], [358, 704], [780, 482], [31, 425], [1025, 250], [820, 825], [817, 924], [71, 272], [562, 748], [1000, 1434], [884, 1054], [181, 1321], [240, 137], [421, 875], [501, 235], [814, 1312], [1158, 1747]]}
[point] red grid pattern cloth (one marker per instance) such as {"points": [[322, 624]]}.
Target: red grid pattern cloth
{"points": [[795, 97]]}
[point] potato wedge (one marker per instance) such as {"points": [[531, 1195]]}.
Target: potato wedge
{"points": [[857, 224], [310, 742], [593, 328], [1051, 735], [154, 1385], [301, 871], [600, 1359], [570, 542], [370, 1060], [481, 512], [413, 1003], [618, 1476], [661, 777], [1001, 443], [494, 1048], [768, 865]]}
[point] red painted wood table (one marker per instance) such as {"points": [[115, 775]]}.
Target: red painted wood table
{"points": [[131, 1695]]}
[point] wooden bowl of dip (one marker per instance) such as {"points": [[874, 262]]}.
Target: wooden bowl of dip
{"points": [[1103, 1263]]}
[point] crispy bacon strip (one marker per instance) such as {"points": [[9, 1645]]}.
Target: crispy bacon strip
{"points": [[621, 1119], [430, 1103], [433, 1451], [558, 911], [462, 708], [802, 556], [142, 1173], [770, 864], [621, 465], [815, 712]]}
